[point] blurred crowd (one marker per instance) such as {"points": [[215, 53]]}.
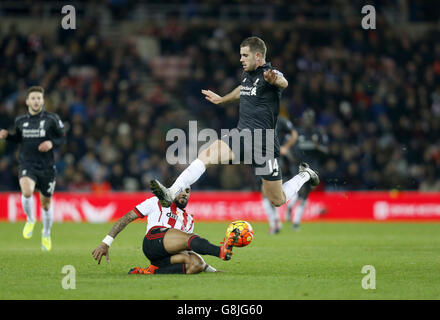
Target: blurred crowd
{"points": [[375, 93]]}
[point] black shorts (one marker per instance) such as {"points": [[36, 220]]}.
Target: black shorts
{"points": [[45, 179], [249, 148], [153, 247]]}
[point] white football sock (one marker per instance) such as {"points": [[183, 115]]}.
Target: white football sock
{"points": [[208, 268], [292, 202], [28, 207], [290, 205], [299, 212], [292, 186], [271, 212], [47, 217], [190, 175]]}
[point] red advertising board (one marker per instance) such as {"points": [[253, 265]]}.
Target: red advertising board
{"points": [[228, 206]]}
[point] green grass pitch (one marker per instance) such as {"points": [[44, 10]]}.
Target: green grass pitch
{"points": [[321, 261]]}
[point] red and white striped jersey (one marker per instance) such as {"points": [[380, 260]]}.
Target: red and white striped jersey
{"points": [[158, 216]]}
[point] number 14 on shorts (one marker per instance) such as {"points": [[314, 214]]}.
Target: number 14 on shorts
{"points": [[273, 167]]}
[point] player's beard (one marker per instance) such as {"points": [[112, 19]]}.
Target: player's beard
{"points": [[251, 65], [180, 205]]}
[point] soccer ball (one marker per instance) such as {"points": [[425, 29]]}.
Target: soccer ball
{"points": [[246, 232]]}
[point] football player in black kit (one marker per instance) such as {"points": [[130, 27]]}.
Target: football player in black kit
{"points": [[37, 132], [259, 95], [312, 147]]}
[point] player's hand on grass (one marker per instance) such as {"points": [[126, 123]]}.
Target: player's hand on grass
{"points": [[212, 96], [270, 76], [101, 250], [3, 134], [45, 146]]}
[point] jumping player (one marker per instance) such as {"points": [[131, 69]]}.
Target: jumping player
{"points": [[169, 243], [259, 94], [38, 132]]}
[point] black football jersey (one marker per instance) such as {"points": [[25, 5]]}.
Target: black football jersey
{"points": [[259, 100], [30, 132], [310, 145], [284, 128]]}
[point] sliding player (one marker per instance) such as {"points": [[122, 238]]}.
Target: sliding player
{"points": [[169, 243]]}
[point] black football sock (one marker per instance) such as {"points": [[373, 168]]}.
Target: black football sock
{"points": [[178, 268], [203, 246]]}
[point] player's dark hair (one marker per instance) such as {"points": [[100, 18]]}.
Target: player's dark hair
{"points": [[255, 44], [34, 89]]}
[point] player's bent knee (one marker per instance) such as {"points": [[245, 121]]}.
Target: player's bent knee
{"points": [[277, 201], [273, 190], [217, 153]]}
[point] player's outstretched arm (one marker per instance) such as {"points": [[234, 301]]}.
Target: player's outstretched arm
{"points": [[102, 249], [289, 143], [213, 97]]}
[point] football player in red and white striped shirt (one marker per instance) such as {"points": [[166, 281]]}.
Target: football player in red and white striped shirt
{"points": [[169, 243]]}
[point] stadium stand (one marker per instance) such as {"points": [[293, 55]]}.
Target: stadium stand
{"points": [[130, 72]]}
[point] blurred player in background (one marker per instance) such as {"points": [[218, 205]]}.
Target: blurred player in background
{"points": [[37, 132], [259, 97], [287, 136], [312, 147], [169, 243]]}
